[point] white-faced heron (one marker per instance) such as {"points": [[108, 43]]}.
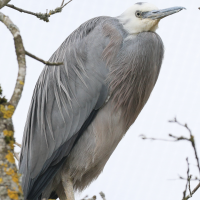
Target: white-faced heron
{"points": [[81, 110]]}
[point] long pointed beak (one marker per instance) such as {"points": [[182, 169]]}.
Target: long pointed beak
{"points": [[159, 14]]}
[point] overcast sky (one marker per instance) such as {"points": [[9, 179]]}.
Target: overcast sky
{"points": [[137, 170]]}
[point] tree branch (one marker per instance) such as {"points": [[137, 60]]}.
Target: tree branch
{"points": [[195, 189], [62, 2], [10, 186], [19, 145], [3, 3], [16, 156], [188, 181], [192, 141], [66, 3], [43, 61], [102, 195], [42, 16], [20, 52]]}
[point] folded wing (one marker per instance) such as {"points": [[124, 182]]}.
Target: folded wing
{"points": [[65, 100]]}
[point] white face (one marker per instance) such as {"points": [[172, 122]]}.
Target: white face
{"points": [[135, 24]]}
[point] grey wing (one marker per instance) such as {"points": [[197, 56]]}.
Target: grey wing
{"points": [[65, 100]]}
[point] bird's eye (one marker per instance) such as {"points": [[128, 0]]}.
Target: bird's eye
{"points": [[137, 13]]}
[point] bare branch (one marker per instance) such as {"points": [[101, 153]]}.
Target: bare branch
{"points": [[66, 3], [188, 181], [178, 138], [16, 156], [19, 9], [19, 145], [191, 139], [191, 179], [195, 189], [20, 52], [3, 3], [188, 176], [184, 192], [43, 61], [102, 195], [160, 139], [42, 16], [62, 3]]}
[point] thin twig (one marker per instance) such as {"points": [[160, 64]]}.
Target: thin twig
{"points": [[191, 179], [42, 16], [184, 192], [66, 3], [62, 3], [19, 145], [159, 139], [191, 139], [16, 156], [195, 189], [102, 195], [188, 176], [43, 61], [21, 10], [188, 180]]}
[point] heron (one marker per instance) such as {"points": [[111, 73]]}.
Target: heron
{"points": [[81, 109]]}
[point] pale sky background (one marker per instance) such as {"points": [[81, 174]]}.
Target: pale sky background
{"points": [[137, 170]]}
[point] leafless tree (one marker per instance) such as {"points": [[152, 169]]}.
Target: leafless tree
{"points": [[191, 140]]}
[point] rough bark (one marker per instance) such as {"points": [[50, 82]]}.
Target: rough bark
{"points": [[10, 187]]}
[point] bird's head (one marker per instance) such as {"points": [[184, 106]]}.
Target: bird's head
{"points": [[144, 17]]}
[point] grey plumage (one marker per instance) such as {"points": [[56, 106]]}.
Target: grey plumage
{"points": [[80, 110], [140, 3]]}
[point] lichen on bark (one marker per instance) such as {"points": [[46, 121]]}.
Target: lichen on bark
{"points": [[10, 184], [10, 187]]}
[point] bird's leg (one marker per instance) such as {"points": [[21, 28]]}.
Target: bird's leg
{"points": [[60, 192], [68, 186]]}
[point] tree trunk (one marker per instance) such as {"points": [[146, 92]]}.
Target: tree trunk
{"points": [[10, 187]]}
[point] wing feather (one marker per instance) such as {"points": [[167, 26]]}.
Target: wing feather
{"points": [[65, 100]]}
